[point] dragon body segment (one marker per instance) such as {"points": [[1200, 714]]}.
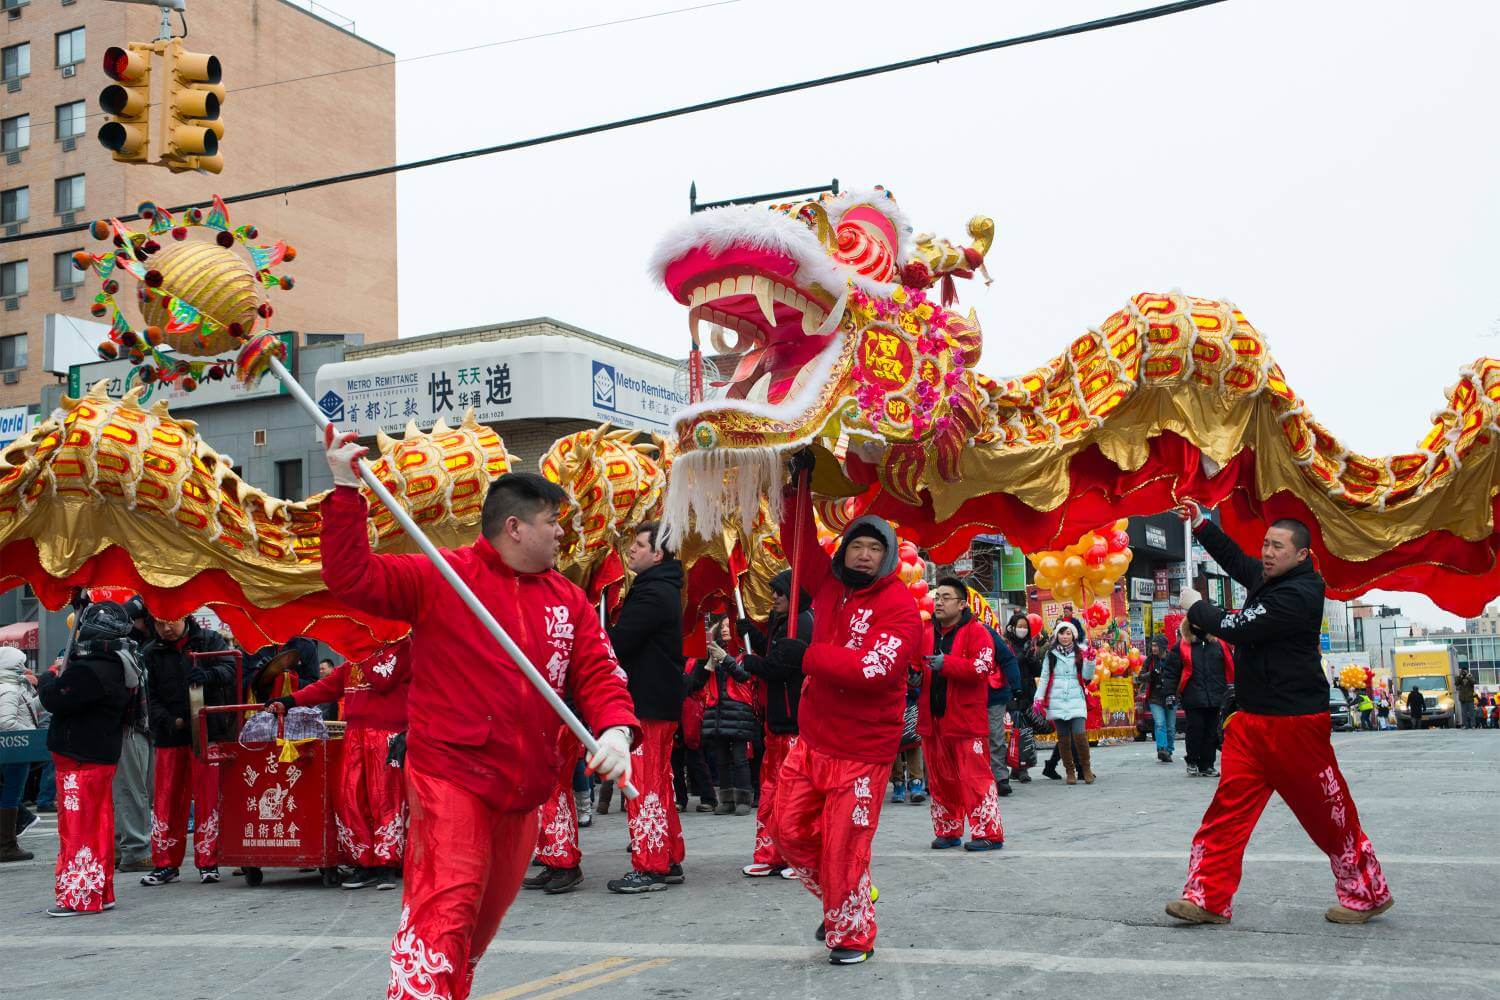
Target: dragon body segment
{"points": [[106, 492], [1172, 396]]}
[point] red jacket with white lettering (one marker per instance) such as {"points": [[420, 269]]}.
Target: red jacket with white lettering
{"points": [[854, 697], [955, 700], [374, 689], [473, 719]]}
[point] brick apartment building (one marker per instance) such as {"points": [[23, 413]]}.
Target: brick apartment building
{"points": [[56, 173]]}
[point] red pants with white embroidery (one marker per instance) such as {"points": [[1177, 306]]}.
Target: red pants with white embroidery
{"points": [[85, 834], [826, 813], [962, 788], [557, 829], [371, 810], [778, 745], [1293, 757], [464, 863], [178, 774], [655, 831]]}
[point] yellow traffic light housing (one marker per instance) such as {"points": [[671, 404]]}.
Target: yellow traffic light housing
{"points": [[193, 95], [128, 103]]}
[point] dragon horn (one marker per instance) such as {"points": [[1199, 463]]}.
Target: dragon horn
{"points": [[384, 442]]}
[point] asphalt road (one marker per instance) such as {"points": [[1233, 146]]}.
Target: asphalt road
{"points": [[1071, 908]]}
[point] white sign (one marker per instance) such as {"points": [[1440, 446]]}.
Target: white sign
{"points": [[121, 376], [1156, 537], [963, 565], [14, 421], [546, 377], [1142, 590]]}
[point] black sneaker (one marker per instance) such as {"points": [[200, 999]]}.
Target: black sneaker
{"points": [[674, 876], [159, 876], [822, 932], [637, 882], [65, 911], [849, 956], [943, 843], [563, 880], [386, 879], [1192, 772], [1163, 757], [1050, 771], [209, 876], [1003, 789], [1210, 772], [361, 877], [25, 820], [980, 844]]}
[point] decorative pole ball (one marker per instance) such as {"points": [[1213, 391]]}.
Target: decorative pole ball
{"points": [[290, 254], [128, 338], [251, 233], [179, 233], [112, 286], [215, 281], [265, 310], [189, 383], [99, 230], [216, 372], [196, 214], [225, 240], [146, 210], [153, 335], [97, 309], [108, 351], [150, 246], [287, 282], [146, 374], [82, 261]]}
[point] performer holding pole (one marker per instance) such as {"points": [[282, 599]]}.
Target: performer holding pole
{"points": [[481, 749], [1276, 735]]}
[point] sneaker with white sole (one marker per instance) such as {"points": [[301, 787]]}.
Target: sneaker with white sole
{"points": [[361, 877], [386, 880], [209, 875], [637, 882], [849, 956], [758, 870], [159, 876]]}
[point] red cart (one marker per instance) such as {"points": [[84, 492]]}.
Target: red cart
{"points": [[274, 813]]}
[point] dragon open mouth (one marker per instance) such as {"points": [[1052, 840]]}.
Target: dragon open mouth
{"points": [[757, 310]]}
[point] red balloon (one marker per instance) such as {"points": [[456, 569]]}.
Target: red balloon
{"points": [[918, 588], [908, 551], [925, 604], [1119, 541], [1096, 553], [1034, 620]]}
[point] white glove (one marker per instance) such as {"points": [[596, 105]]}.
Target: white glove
{"points": [[612, 760], [1188, 598], [716, 653], [342, 453]]}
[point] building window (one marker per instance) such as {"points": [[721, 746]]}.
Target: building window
{"points": [[69, 118], [67, 193], [13, 351], [64, 274], [15, 133], [15, 61], [70, 47], [13, 280], [289, 479], [15, 206]]}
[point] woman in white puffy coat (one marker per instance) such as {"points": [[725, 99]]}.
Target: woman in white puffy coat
{"points": [[1060, 694], [19, 711]]}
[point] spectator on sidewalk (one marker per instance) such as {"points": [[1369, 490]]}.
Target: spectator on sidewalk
{"points": [[20, 712]]}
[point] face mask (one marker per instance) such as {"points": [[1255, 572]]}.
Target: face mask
{"points": [[1022, 632]]}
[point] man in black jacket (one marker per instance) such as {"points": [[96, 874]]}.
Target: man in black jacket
{"points": [[776, 658], [180, 774], [1198, 671], [1277, 732], [88, 699], [647, 637]]}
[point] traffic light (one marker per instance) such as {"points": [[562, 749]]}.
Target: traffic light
{"points": [[190, 126], [128, 103]]}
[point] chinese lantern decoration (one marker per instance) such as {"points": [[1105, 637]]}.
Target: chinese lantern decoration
{"points": [[1088, 569]]}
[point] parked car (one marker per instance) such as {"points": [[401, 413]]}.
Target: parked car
{"points": [[1340, 715]]}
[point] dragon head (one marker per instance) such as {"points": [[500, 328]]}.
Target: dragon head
{"points": [[826, 304]]}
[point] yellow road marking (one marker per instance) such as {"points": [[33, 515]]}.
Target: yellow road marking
{"points": [[511, 992], [608, 977]]}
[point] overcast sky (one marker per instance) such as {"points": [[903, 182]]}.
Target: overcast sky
{"points": [[1329, 167]]}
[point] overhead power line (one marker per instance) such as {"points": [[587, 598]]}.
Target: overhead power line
{"points": [[1114, 21]]}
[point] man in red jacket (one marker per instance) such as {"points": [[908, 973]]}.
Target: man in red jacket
{"points": [[865, 629], [371, 808], [481, 748], [953, 718]]}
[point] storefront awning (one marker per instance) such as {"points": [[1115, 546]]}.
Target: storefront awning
{"points": [[21, 635]]}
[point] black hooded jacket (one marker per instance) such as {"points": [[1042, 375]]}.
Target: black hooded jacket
{"points": [[89, 701], [1278, 663], [647, 637], [779, 664], [168, 667]]}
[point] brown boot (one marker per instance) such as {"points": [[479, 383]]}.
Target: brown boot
{"points": [[9, 849], [1081, 755], [606, 794], [1065, 753]]}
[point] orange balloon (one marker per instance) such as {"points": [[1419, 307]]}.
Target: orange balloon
{"points": [[1044, 582], [1049, 564], [1073, 567], [1117, 563]]}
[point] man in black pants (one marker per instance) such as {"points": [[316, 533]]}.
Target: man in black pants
{"points": [[1200, 672]]}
